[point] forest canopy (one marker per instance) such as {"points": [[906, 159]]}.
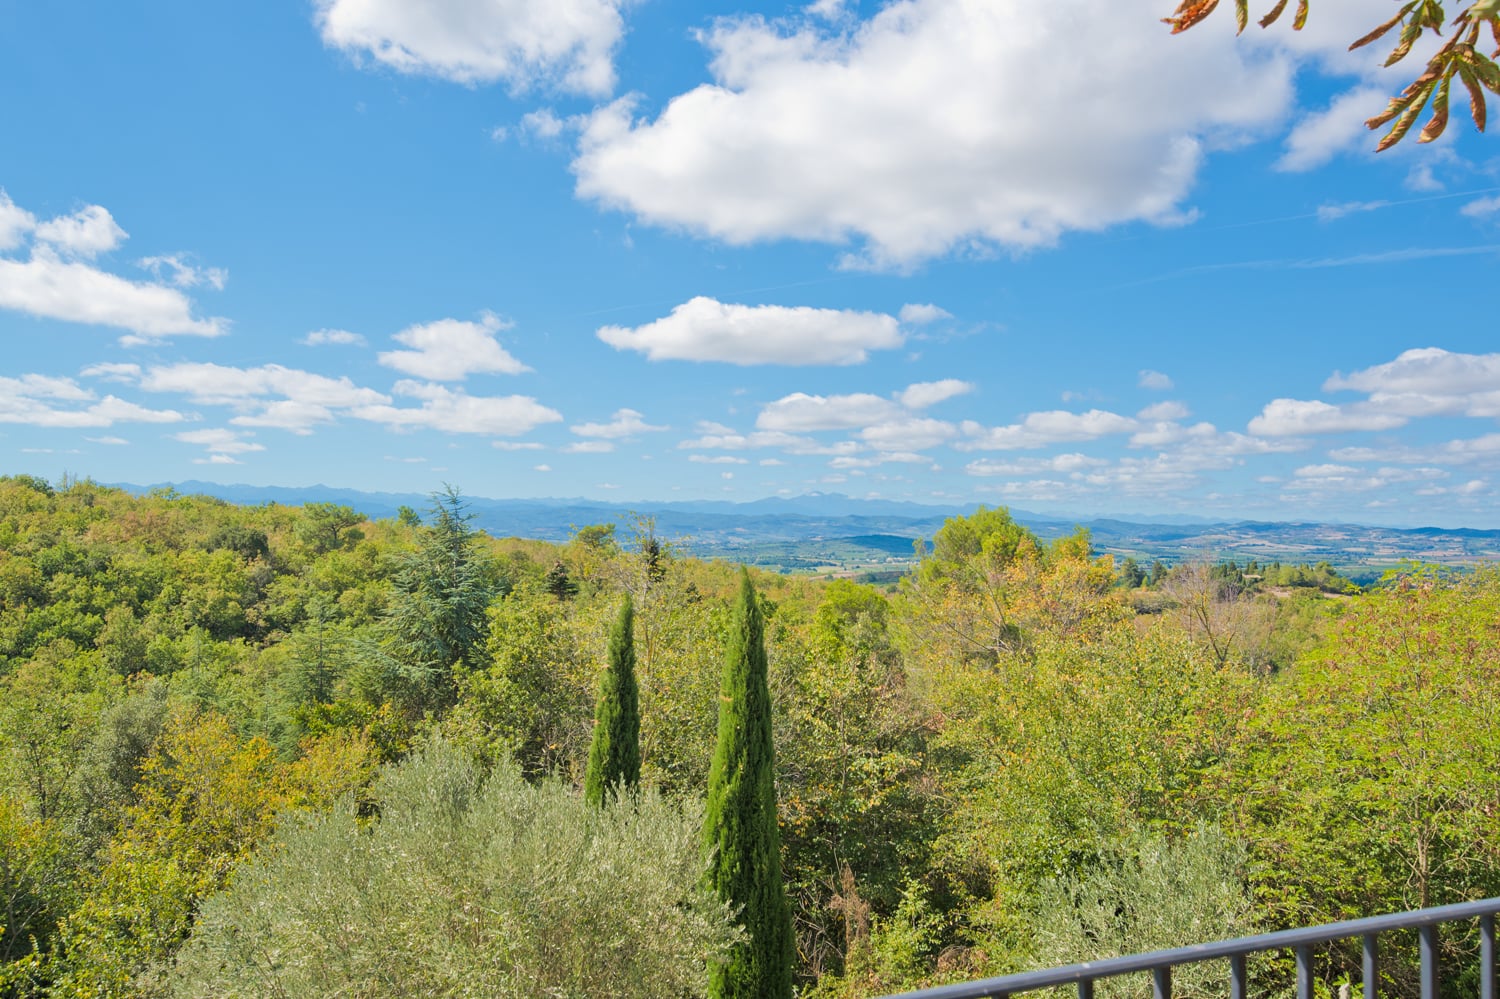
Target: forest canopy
{"points": [[207, 709]]}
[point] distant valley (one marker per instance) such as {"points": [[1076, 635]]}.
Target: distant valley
{"points": [[831, 533]]}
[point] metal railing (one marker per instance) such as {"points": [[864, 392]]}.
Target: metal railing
{"points": [[1300, 942]]}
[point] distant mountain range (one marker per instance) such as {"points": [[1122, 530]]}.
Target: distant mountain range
{"points": [[792, 531]]}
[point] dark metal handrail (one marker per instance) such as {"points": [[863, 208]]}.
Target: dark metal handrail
{"points": [[1300, 941]]}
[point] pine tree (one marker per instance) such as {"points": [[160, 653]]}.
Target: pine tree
{"points": [[740, 823], [615, 755]]}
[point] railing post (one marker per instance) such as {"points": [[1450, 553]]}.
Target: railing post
{"points": [[1304, 973], [1372, 966], [1487, 957], [1428, 935], [1161, 983], [1237, 978], [1085, 988]]}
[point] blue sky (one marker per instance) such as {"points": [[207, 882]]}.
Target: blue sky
{"points": [[1041, 255]]}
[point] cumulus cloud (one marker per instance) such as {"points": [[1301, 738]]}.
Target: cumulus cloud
{"points": [[219, 384], [718, 437], [704, 329], [718, 459], [1292, 417], [83, 234], [58, 280], [15, 222], [921, 315], [450, 350], [220, 441], [924, 394], [1154, 380], [589, 447], [568, 44], [625, 423], [1484, 449], [319, 338], [1427, 381], [456, 412], [45, 401], [1169, 410], [1067, 463], [803, 413], [1321, 135], [932, 126], [1045, 428], [908, 435], [1428, 371]]}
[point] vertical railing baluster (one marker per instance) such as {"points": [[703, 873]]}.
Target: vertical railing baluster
{"points": [[1085, 988], [1487, 957], [1372, 966], [1304, 973], [1161, 983], [1428, 936], [1237, 977]]}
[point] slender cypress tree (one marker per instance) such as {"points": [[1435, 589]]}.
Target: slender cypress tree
{"points": [[739, 827], [615, 754]]}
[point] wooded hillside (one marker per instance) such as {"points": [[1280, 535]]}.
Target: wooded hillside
{"points": [[250, 749]]}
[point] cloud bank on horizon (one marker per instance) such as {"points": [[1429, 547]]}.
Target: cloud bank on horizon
{"points": [[943, 250]]}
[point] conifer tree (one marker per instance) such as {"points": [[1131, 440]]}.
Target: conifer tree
{"points": [[740, 822], [615, 755]]}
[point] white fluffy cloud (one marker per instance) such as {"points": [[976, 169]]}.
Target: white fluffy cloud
{"points": [[920, 314], [51, 288], [624, 423], [1045, 428], [57, 280], [1428, 381], [1169, 410], [457, 412], [803, 413], [319, 338], [1340, 127], [83, 234], [1292, 417], [450, 350], [1066, 463], [908, 435], [1155, 380], [923, 394], [43, 401], [564, 43], [1482, 450], [932, 126], [589, 447], [220, 441], [15, 222], [218, 384], [704, 329]]}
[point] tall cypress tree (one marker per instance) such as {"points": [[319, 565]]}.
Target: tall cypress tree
{"points": [[615, 754], [740, 824]]}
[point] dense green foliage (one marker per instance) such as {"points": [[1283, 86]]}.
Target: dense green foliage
{"points": [[469, 884], [739, 826], [205, 708], [615, 754]]}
